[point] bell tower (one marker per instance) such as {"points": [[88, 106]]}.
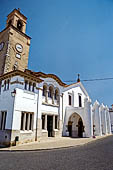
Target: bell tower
{"points": [[14, 43]]}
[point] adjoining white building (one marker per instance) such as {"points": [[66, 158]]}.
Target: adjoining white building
{"points": [[36, 105]]}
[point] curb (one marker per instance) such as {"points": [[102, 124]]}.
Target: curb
{"points": [[57, 148]]}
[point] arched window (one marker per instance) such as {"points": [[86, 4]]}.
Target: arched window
{"points": [[19, 25], [50, 93], [70, 100], [56, 94], [44, 90], [80, 101]]}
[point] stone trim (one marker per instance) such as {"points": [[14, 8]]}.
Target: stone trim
{"points": [[27, 112], [43, 75], [16, 82], [20, 73], [48, 104]]}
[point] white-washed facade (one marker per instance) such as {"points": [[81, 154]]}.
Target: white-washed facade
{"points": [[38, 105]]}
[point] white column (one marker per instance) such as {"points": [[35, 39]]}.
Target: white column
{"points": [[60, 112], [39, 103], [45, 125], [53, 97], [97, 119], [46, 97], [53, 122], [88, 118], [24, 122], [39, 114]]}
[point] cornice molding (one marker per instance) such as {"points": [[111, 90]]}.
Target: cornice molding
{"points": [[43, 75], [20, 73]]}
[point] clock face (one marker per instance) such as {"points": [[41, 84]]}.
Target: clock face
{"points": [[1, 46], [19, 48], [18, 55]]}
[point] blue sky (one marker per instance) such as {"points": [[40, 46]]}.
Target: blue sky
{"points": [[70, 37]]}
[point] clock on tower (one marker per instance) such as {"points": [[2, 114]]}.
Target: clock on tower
{"points": [[14, 43]]}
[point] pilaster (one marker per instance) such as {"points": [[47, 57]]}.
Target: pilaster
{"points": [[103, 117], [88, 118], [97, 119], [45, 125], [53, 122]]}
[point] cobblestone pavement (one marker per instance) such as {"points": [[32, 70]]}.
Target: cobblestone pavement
{"points": [[96, 155], [51, 143]]}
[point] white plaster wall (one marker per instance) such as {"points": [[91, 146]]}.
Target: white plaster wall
{"points": [[7, 103], [49, 109], [75, 90], [75, 96], [24, 101]]}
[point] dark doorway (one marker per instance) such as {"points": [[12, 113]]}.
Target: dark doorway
{"points": [[70, 128], [80, 128], [50, 125], [80, 101]]}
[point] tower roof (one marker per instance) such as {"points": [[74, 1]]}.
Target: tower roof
{"points": [[18, 12]]}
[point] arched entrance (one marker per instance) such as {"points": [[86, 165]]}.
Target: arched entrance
{"points": [[80, 128], [75, 126]]}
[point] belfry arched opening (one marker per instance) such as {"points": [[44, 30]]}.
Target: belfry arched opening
{"points": [[75, 126]]}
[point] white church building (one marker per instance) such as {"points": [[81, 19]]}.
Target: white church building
{"points": [[35, 105]]}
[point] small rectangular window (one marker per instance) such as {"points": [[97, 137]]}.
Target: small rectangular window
{"points": [[80, 101], [31, 122], [70, 100], [26, 123], [56, 122], [8, 81], [3, 120], [43, 121], [22, 121]]}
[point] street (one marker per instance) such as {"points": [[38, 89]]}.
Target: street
{"points": [[97, 155]]}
